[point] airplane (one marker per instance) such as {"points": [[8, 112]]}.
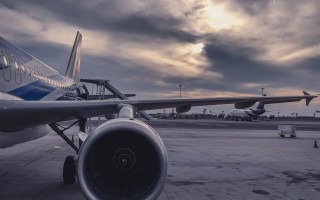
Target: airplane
{"points": [[246, 114], [250, 114], [123, 158]]}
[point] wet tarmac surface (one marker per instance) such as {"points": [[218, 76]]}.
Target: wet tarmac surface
{"points": [[226, 160]]}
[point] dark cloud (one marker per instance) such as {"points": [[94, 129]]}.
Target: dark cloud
{"points": [[250, 7], [154, 27], [312, 64], [238, 62], [110, 16], [234, 53], [195, 8]]}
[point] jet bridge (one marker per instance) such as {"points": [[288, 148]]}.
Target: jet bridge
{"points": [[105, 84]]}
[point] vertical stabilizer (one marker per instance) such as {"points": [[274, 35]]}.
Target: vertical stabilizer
{"points": [[73, 70], [260, 105]]}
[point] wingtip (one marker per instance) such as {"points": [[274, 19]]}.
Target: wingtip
{"points": [[306, 93], [309, 97]]}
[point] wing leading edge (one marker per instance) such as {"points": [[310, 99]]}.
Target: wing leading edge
{"points": [[17, 114]]}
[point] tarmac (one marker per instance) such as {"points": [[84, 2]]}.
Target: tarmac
{"points": [[208, 159]]}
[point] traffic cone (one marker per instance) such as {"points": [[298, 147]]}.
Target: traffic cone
{"points": [[315, 144]]}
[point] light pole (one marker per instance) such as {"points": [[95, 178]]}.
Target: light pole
{"points": [[180, 89], [262, 92]]}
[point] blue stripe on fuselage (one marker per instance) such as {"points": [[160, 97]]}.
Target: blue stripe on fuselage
{"points": [[33, 91]]}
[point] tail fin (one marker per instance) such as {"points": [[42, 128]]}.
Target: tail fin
{"points": [[260, 105], [73, 70]]}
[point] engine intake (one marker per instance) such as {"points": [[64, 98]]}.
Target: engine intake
{"points": [[122, 159]]}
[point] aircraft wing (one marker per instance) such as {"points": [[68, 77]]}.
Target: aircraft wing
{"points": [[19, 114], [272, 101]]}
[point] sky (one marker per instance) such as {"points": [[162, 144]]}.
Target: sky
{"points": [[212, 48]]}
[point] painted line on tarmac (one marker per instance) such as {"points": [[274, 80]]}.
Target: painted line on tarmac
{"points": [[31, 160], [222, 125], [53, 149]]}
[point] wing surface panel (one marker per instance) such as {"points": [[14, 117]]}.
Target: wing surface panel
{"points": [[19, 114]]}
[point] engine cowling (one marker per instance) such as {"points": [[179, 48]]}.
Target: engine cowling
{"points": [[122, 159], [243, 105], [183, 109]]}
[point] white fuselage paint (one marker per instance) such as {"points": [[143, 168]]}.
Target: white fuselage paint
{"points": [[239, 113], [23, 77]]}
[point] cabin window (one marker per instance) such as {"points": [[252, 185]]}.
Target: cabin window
{"points": [[16, 65], [23, 68], [29, 71], [38, 75], [5, 61]]}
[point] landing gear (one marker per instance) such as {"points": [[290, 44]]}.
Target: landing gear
{"points": [[69, 170], [70, 163]]}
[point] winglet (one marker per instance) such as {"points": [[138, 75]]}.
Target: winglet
{"points": [[308, 97], [306, 93]]}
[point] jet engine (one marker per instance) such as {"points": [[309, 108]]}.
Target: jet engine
{"points": [[243, 105], [122, 159], [183, 109]]}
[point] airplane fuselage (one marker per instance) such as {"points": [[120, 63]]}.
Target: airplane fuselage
{"points": [[23, 77], [245, 114], [27, 78]]}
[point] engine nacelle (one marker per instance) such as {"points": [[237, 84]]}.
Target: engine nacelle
{"points": [[245, 104], [183, 109], [122, 159]]}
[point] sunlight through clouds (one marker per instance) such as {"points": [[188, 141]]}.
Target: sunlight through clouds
{"points": [[219, 18], [216, 45]]}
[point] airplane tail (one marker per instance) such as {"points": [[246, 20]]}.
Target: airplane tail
{"points": [[260, 106], [73, 70]]}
